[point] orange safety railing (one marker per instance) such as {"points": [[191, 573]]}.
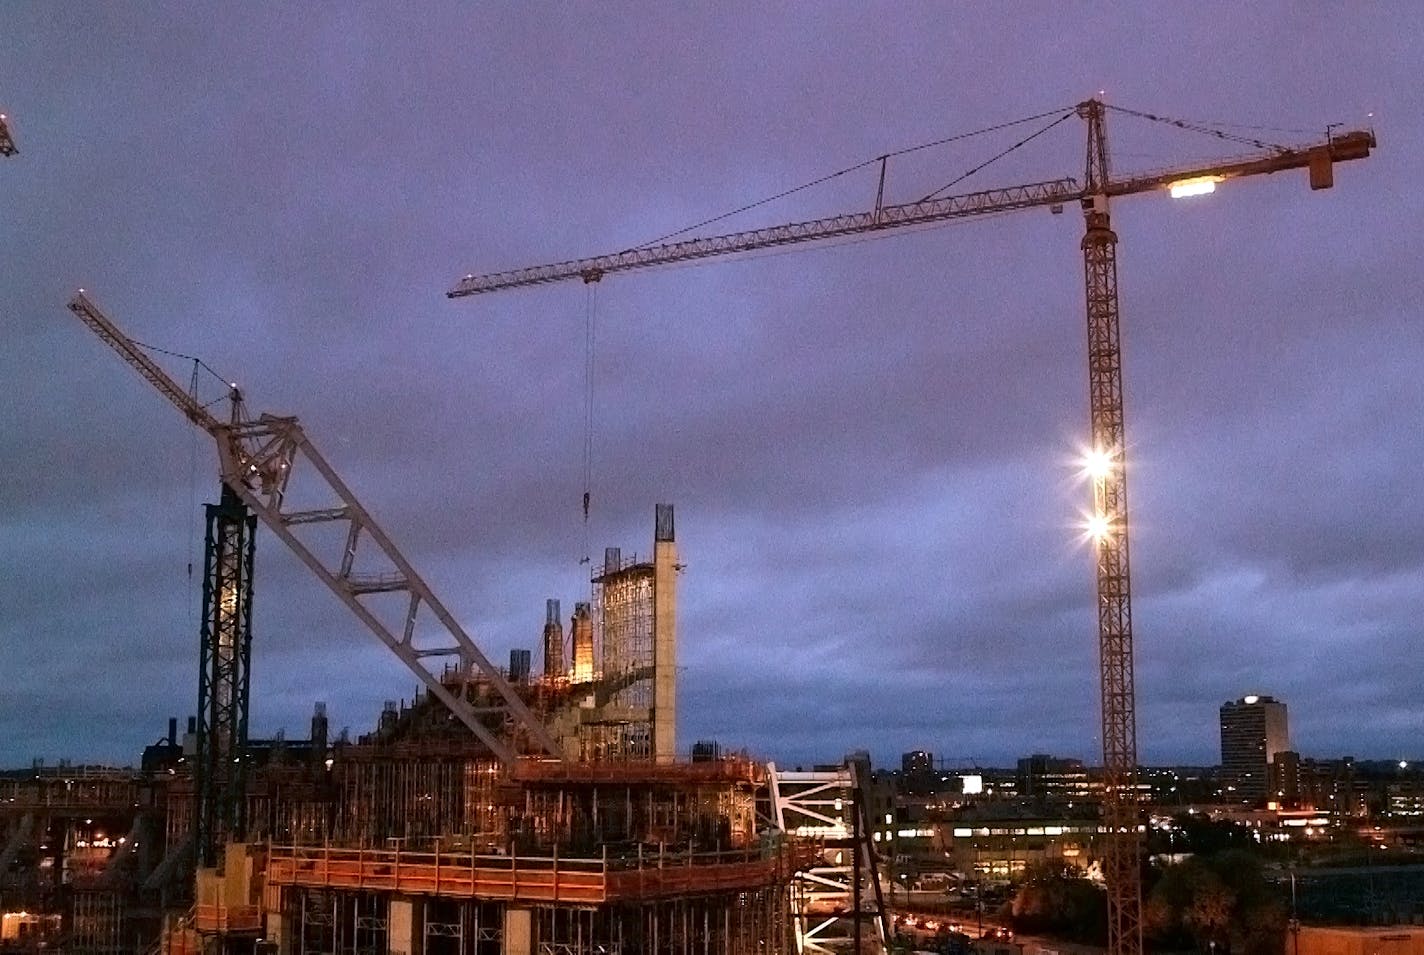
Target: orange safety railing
{"points": [[535, 878], [227, 918], [727, 770]]}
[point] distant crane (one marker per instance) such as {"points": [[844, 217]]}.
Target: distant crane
{"points": [[7, 141], [1107, 460], [258, 459]]}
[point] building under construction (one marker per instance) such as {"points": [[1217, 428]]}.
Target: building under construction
{"points": [[419, 838]]}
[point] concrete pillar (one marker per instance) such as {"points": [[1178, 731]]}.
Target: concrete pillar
{"points": [[404, 932], [664, 636], [278, 933], [553, 642], [582, 627], [518, 931]]}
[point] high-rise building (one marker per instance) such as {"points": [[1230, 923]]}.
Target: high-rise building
{"points": [[1047, 776], [1253, 731], [916, 761]]}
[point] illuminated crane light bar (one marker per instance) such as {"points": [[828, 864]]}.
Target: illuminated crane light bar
{"points": [[1196, 186]]}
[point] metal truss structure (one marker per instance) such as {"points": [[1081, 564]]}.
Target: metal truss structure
{"points": [[269, 463], [1121, 849], [836, 905], [1053, 192], [224, 676]]}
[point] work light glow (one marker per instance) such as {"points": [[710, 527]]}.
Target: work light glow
{"points": [[1198, 186], [1097, 464]]}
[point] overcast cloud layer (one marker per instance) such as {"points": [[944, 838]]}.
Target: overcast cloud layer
{"points": [[870, 446]]}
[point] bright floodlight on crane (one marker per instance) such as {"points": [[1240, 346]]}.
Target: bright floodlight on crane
{"points": [[1098, 528], [1195, 186], [1097, 464]]}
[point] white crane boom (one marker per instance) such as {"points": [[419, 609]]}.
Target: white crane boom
{"points": [[257, 459]]}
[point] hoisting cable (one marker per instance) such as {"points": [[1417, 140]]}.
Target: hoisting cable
{"points": [[1200, 128], [841, 172], [1022, 142], [590, 328], [197, 363], [192, 488]]}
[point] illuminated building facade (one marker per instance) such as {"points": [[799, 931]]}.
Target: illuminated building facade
{"points": [[1253, 731], [916, 761], [1044, 777]]}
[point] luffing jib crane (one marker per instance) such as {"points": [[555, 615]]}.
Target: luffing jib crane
{"points": [[1108, 463], [257, 460]]}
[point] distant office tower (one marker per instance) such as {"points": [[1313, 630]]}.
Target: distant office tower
{"points": [[1286, 779], [1045, 776], [519, 661], [917, 761], [1253, 731]]}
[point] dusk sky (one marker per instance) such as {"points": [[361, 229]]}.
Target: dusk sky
{"points": [[870, 445]]}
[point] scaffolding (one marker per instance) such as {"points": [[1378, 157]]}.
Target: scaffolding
{"points": [[328, 922], [749, 922], [413, 799], [741, 923], [98, 924], [623, 628]]}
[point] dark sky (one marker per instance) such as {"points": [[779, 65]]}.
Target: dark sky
{"points": [[870, 446]]}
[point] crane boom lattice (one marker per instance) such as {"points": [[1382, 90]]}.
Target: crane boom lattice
{"points": [[258, 459]]}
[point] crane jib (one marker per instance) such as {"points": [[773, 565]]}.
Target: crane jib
{"points": [[1050, 192], [1317, 157]]}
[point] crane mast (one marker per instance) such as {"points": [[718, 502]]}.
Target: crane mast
{"points": [[1109, 532], [1109, 523], [257, 461]]}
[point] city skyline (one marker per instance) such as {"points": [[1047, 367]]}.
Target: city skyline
{"points": [[873, 448]]}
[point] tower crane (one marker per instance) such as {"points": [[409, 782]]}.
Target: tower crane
{"points": [[1107, 462], [258, 458]]}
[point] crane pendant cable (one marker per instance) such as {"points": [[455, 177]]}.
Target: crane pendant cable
{"points": [[590, 329]]}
